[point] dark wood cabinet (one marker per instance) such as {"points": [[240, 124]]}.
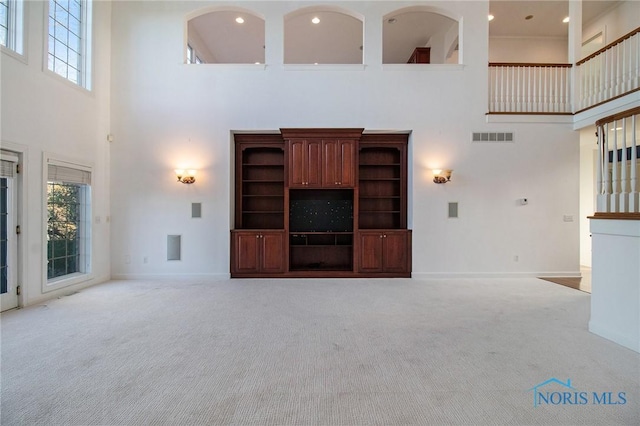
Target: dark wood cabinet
{"points": [[257, 252], [385, 251], [322, 158], [420, 55], [321, 203], [305, 163], [339, 163]]}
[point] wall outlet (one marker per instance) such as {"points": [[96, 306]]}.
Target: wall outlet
{"points": [[567, 218], [523, 201]]}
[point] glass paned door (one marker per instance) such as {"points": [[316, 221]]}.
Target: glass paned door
{"points": [[8, 246]]}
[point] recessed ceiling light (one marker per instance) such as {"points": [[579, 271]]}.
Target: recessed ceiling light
{"points": [[491, 17], [565, 20], [392, 20], [316, 20], [528, 17], [240, 20]]}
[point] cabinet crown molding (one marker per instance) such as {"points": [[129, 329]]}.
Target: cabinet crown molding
{"points": [[350, 133]]}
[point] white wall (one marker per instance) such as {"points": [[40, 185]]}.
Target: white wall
{"points": [[615, 23], [588, 158], [42, 112], [165, 114], [615, 297], [547, 50]]}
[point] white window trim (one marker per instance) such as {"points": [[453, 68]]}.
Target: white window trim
{"points": [[17, 35], [49, 285], [86, 80]]}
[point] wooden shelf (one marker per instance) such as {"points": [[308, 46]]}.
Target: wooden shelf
{"points": [[260, 182]]}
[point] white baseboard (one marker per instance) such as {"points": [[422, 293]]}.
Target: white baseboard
{"points": [[472, 275], [615, 336], [190, 277]]}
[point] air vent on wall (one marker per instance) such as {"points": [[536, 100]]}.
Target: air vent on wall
{"points": [[502, 137]]}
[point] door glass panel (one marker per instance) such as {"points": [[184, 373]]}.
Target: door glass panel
{"points": [[3, 235]]}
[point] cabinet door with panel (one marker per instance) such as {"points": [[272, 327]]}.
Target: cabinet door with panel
{"points": [[385, 251], [254, 252], [305, 163], [339, 163]]}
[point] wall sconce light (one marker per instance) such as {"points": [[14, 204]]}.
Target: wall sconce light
{"points": [[186, 176], [441, 176]]}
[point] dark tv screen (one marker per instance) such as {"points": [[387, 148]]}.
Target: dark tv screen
{"points": [[320, 215]]}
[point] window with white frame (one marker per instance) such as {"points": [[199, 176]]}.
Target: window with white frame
{"points": [[68, 221], [11, 24], [69, 40]]}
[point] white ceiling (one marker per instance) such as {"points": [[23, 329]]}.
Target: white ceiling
{"points": [[547, 17], [338, 37]]}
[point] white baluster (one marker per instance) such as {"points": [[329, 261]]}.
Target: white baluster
{"points": [[623, 197], [555, 92], [624, 77], [508, 89], [637, 55], [634, 196], [492, 94], [615, 180], [534, 88], [547, 89], [617, 71], [505, 88], [603, 170], [567, 94], [529, 94]]}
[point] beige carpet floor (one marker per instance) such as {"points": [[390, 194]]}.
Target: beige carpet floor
{"points": [[312, 352]]}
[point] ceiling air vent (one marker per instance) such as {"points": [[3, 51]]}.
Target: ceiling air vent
{"points": [[502, 137]]}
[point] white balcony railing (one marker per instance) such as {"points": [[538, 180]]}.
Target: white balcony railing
{"points": [[516, 88], [618, 186], [609, 73]]}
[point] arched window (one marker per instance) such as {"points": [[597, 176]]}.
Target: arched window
{"points": [[225, 37], [313, 36], [419, 36]]}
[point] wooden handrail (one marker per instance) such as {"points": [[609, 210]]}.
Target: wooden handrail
{"points": [[618, 116], [615, 216], [526, 64], [609, 46]]}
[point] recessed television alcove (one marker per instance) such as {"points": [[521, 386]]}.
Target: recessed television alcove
{"points": [[321, 210], [321, 229]]}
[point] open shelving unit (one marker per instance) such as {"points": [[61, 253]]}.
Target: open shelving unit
{"points": [[262, 188], [381, 199], [316, 251]]}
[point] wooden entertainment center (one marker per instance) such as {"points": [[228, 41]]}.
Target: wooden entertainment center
{"points": [[320, 203]]}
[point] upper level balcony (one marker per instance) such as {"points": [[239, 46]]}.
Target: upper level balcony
{"points": [[609, 73]]}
